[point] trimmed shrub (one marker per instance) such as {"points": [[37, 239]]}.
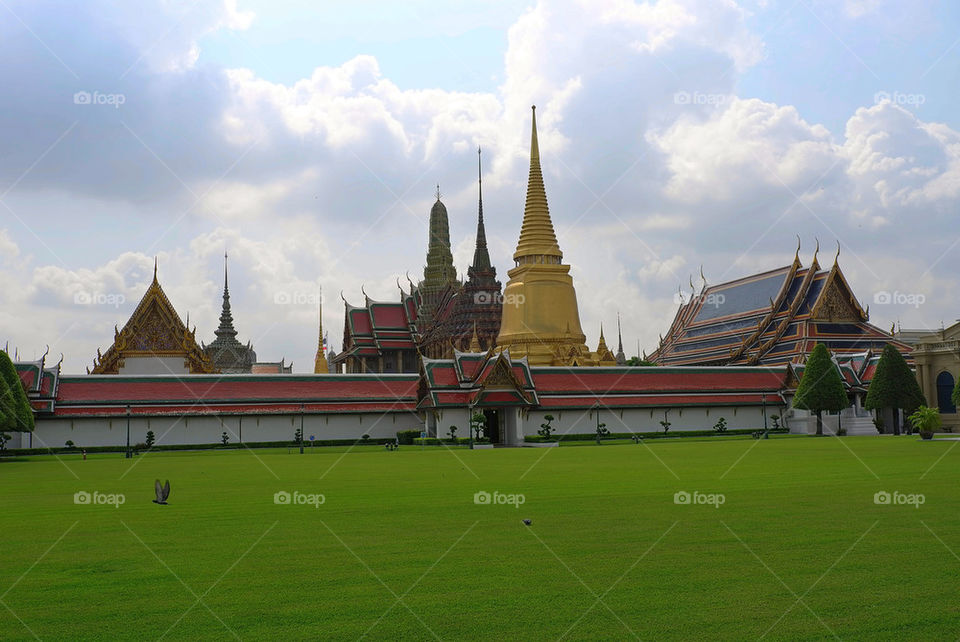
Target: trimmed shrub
{"points": [[15, 412], [894, 386], [407, 436], [821, 387]]}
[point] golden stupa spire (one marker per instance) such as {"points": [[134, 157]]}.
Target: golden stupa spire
{"points": [[320, 365], [537, 238]]}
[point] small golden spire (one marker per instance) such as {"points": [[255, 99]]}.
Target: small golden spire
{"points": [[320, 365], [474, 340], [154, 269]]}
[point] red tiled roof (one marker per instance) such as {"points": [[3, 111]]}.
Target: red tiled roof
{"points": [[203, 393], [389, 315], [656, 379]]}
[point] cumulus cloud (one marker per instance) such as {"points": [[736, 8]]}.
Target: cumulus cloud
{"points": [[653, 165]]}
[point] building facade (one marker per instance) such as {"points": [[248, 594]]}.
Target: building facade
{"points": [[937, 360]]}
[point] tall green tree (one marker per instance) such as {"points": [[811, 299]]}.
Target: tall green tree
{"points": [[894, 386], [17, 414], [821, 387]]}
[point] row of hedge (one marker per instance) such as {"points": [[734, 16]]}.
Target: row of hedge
{"points": [[11, 452], [537, 439]]}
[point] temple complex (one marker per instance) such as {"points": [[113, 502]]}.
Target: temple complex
{"points": [[772, 318], [154, 341], [229, 356]]}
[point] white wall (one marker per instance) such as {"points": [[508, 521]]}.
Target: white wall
{"points": [[89, 431], [580, 421]]}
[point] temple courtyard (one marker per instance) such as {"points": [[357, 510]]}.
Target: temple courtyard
{"points": [[788, 538]]}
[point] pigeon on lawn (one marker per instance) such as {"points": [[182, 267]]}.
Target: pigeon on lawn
{"points": [[162, 492], [527, 522]]}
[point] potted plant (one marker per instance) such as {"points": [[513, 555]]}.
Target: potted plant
{"points": [[926, 421]]}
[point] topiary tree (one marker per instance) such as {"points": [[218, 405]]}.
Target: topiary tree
{"points": [[894, 386], [15, 411], [821, 387], [225, 438], [546, 428], [151, 439], [453, 434]]}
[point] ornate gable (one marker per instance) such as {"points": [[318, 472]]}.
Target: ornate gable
{"points": [[153, 330], [836, 302]]}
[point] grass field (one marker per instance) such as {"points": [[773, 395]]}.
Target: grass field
{"points": [[399, 549]]}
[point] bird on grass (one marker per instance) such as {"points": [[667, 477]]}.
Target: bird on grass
{"points": [[527, 522], [163, 492]]}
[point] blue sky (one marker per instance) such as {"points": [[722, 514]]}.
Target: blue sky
{"points": [[308, 137]]}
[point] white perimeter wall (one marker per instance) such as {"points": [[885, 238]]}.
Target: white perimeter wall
{"points": [[89, 431], [579, 421]]}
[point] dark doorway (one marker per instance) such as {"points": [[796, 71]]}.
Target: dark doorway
{"points": [[493, 425], [944, 393]]}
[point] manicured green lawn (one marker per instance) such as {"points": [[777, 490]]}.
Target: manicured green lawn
{"points": [[798, 521]]}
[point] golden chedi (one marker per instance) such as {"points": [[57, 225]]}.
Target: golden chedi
{"points": [[540, 316]]}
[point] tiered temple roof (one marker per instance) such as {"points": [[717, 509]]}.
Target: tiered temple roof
{"points": [[39, 382], [380, 329], [153, 330], [496, 379], [772, 318]]}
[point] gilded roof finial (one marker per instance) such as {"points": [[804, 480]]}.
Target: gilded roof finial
{"points": [[835, 258], [704, 279], [796, 255], [438, 191], [816, 251], [154, 269]]}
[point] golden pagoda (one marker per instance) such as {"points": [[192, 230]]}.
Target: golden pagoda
{"points": [[540, 316]]}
